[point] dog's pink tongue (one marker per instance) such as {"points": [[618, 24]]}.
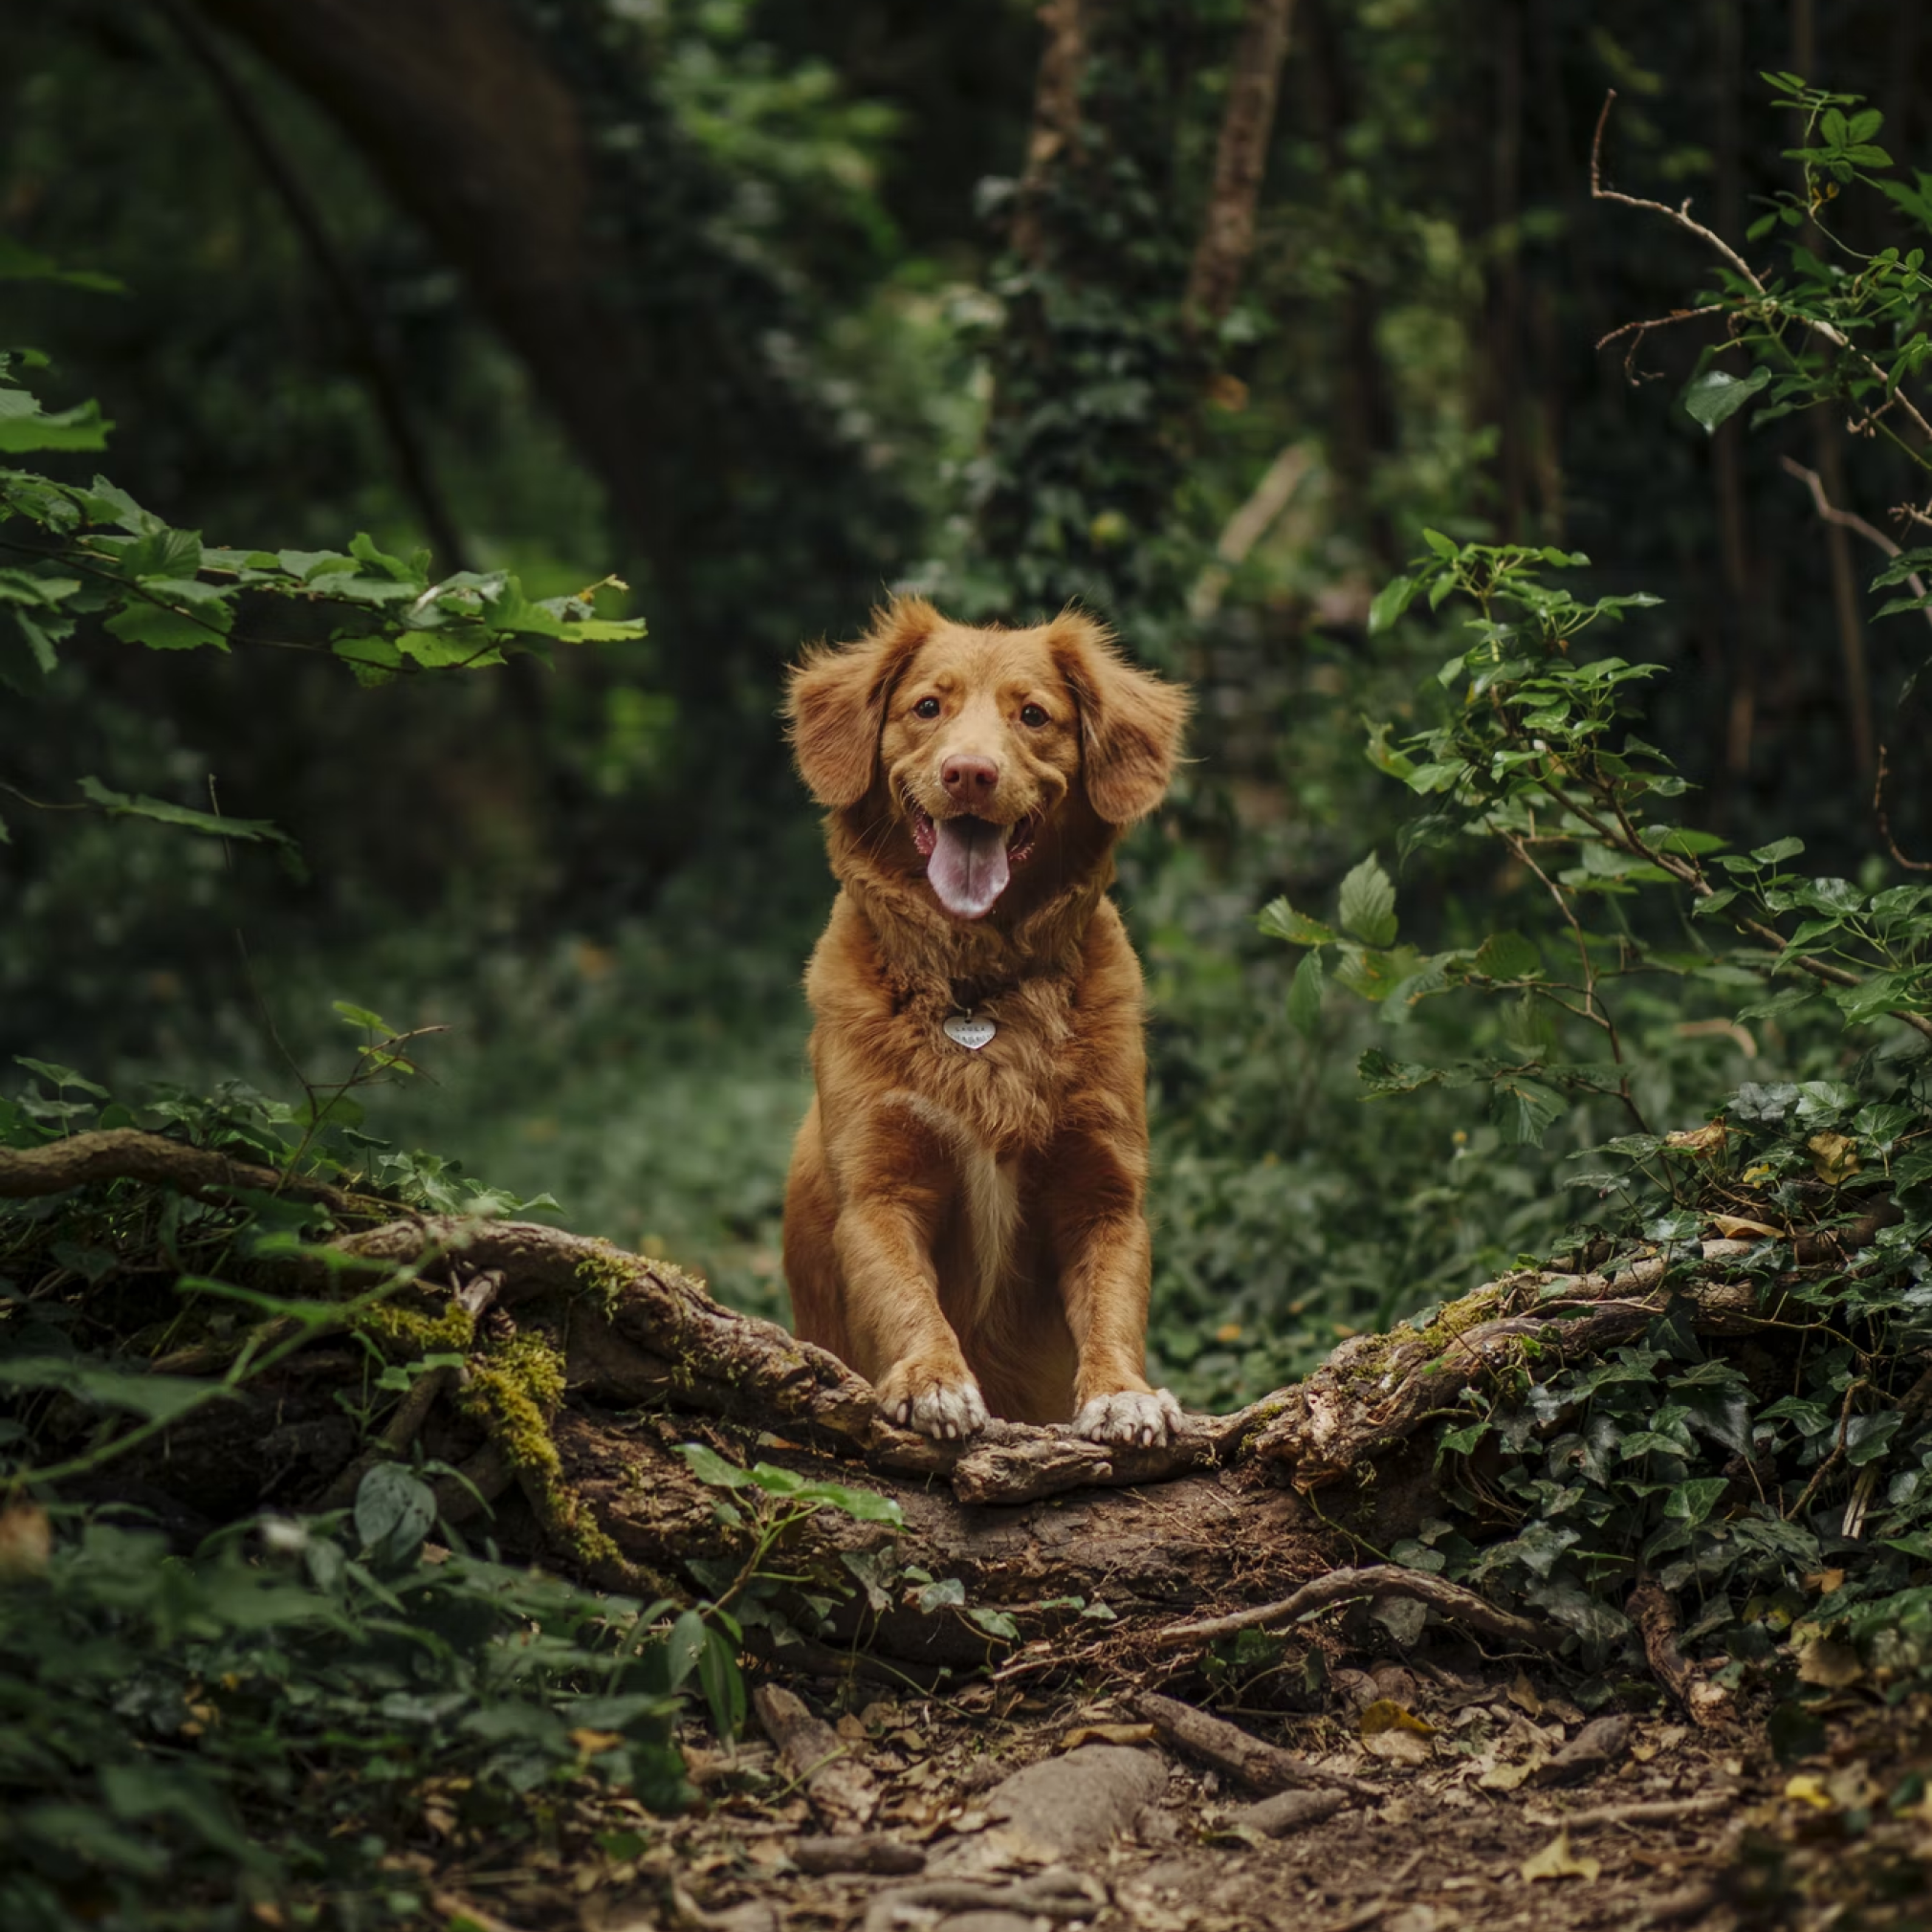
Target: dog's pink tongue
{"points": [[968, 867]]}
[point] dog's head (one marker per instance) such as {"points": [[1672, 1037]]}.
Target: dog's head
{"points": [[971, 748]]}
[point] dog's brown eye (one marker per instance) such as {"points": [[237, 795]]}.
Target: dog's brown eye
{"points": [[927, 707], [1032, 715]]}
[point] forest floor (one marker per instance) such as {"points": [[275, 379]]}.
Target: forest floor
{"points": [[996, 1808]]}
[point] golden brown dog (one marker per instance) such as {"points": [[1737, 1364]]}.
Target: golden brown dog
{"points": [[965, 1221]]}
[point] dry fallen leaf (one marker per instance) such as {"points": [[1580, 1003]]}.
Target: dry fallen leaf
{"points": [[590, 1743], [1523, 1695], [1834, 1156], [1398, 1747], [1830, 1663], [1556, 1860], [1385, 1714], [1734, 1227], [26, 1542], [1808, 1790], [1824, 1581], [1707, 1140], [1506, 1777]]}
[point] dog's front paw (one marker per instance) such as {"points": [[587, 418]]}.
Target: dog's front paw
{"points": [[1135, 1415], [943, 1403]]}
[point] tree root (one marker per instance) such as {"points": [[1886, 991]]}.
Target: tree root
{"points": [[641, 1360], [127, 1153], [1451, 1600]]}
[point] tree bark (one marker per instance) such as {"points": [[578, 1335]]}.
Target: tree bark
{"points": [[1215, 1523], [529, 145], [1240, 160]]}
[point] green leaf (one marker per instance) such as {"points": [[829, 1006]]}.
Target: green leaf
{"points": [[711, 1468], [1369, 904], [1393, 599], [360, 1017], [1777, 852], [1523, 1110], [722, 1682], [948, 1593], [864, 1505], [155, 1398], [1280, 920], [1304, 996], [1715, 397], [1509, 956], [1694, 1501], [686, 1643], [1866, 1437], [995, 1623], [25, 425], [119, 805], [164, 627], [395, 1511], [59, 1076]]}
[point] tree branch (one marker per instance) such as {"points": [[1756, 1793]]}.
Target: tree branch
{"points": [[127, 1153], [1681, 216]]}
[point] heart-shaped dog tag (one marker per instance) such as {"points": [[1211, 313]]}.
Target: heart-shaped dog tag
{"points": [[968, 1030]]}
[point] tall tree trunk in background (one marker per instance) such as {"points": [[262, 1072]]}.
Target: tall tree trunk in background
{"points": [[527, 143], [1828, 447], [1228, 231], [1095, 382], [1735, 639], [1364, 425], [1503, 305]]}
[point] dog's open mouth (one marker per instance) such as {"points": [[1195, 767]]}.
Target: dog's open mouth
{"points": [[969, 861]]}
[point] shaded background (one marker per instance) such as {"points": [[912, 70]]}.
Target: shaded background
{"points": [[742, 302]]}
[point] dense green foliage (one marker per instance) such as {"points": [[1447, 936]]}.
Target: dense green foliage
{"points": [[1584, 998]]}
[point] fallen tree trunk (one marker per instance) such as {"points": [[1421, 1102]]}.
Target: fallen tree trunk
{"points": [[562, 1378]]}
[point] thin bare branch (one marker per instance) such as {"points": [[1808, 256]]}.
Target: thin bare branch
{"points": [[1682, 217]]}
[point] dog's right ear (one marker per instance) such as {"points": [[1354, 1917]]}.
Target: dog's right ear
{"points": [[835, 701]]}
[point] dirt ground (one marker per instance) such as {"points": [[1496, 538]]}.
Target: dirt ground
{"points": [[1004, 1806]]}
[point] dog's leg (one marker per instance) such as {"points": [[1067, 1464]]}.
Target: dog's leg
{"points": [[898, 1178], [1098, 1226]]}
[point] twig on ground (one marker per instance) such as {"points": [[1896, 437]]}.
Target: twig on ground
{"points": [[1651, 1812], [1451, 1600], [1056, 1892], [1657, 1620], [1239, 1755], [843, 1793]]}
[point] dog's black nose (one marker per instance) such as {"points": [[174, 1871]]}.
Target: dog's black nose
{"points": [[969, 779]]}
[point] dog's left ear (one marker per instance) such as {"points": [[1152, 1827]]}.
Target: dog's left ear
{"points": [[1129, 722], [835, 701]]}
